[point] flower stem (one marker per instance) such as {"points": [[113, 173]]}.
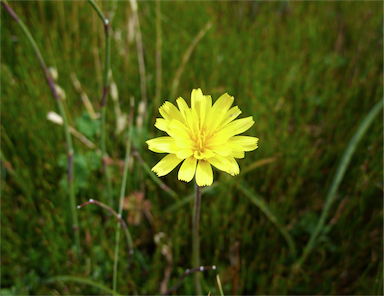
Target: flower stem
{"points": [[121, 221], [158, 54], [122, 194], [103, 102], [195, 237], [59, 101]]}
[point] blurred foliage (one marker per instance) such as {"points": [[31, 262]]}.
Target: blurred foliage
{"points": [[308, 72]]}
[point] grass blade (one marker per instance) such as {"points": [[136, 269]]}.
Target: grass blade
{"points": [[187, 55], [262, 205], [338, 178], [67, 278]]}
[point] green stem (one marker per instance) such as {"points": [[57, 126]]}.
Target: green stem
{"points": [[103, 102], [99, 12], [338, 178], [195, 237], [140, 52], [219, 284], [189, 198], [67, 278], [51, 85], [122, 194], [114, 213], [131, 248], [187, 55], [70, 174], [158, 54]]}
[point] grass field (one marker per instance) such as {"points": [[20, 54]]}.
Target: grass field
{"points": [[308, 72]]}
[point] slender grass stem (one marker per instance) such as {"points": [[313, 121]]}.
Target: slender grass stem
{"points": [[104, 99], [98, 10], [337, 180], [131, 247], [60, 104], [140, 52], [122, 194], [158, 54], [195, 236], [118, 216], [83, 95], [67, 278], [187, 55], [219, 285]]}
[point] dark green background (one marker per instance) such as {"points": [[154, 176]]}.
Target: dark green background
{"points": [[308, 72]]}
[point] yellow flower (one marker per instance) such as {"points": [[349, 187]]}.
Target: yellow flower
{"points": [[201, 136]]}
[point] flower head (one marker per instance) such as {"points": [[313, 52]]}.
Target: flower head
{"points": [[201, 136]]}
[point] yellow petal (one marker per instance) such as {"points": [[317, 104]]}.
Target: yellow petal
{"points": [[224, 102], [217, 140], [176, 129], [238, 154], [208, 102], [220, 163], [169, 112], [187, 169], [190, 115], [204, 154], [234, 170], [225, 163], [236, 150], [236, 127], [196, 99], [192, 120], [161, 124], [162, 145], [223, 150], [230, 116], [229, 149], [184, 153], [183, 107], [246, 143], [204, 174], [206, 107], [218, 111], [166, 165], [185, 143]]}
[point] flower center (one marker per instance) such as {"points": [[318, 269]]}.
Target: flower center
{"points": [[200, 140], [201, 152]]}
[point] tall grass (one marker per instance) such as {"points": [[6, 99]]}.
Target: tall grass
{"points": [[308, 72]]}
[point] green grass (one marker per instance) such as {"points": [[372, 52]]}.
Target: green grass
{"points": [[308, 72]]}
